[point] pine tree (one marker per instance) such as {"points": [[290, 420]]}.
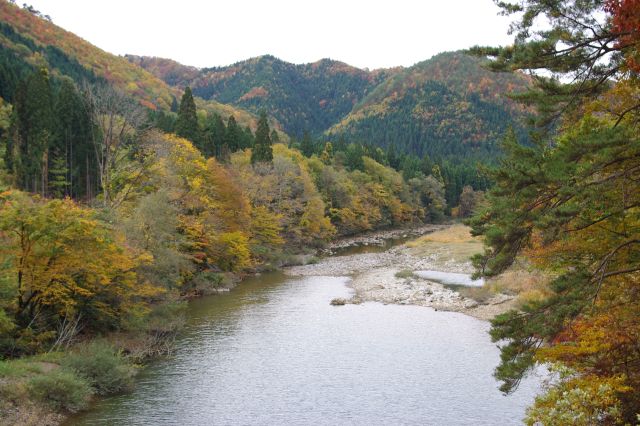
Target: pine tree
{"points": [[59, 183], [232, 135], [262, 151], [274, 137], [71, 149], [247, 140], [327, 153], [306, 146], [174, 104], [214, 136], [187, 123], [32, 131]]}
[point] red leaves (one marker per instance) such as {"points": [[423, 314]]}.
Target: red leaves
{"points": [[626, 25]]}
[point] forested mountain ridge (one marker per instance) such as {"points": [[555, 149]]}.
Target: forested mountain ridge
{"points": [[29, 41], [307, 97], [447, 105]]}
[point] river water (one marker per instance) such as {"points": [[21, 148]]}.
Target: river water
{"points": [[274, 352]]}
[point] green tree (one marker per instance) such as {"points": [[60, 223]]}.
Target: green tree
{"points": [[72, 150], [187, 122], [214, 136], [581, 41], [354, 154], [262, 151], [233, 135], [274, 137], [32, 132], [247, 139], [306, 145]]}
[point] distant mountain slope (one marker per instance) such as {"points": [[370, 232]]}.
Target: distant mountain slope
{"points": [[29, 41], [302, 97], [168, 70], [446, 106]]}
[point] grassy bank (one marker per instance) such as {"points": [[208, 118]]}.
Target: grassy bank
{"points": [[43, 389], [456, 245]]}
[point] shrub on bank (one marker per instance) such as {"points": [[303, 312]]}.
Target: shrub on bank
{"points": [[60, 389], [104, 368]]}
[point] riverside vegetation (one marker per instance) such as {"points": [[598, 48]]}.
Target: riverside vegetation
{"points": [[112, 215], [172, 224]]}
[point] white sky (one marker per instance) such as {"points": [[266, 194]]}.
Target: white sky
{"points": [[372, 34]]}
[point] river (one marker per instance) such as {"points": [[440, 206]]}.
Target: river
{"points": [[274, 352]]}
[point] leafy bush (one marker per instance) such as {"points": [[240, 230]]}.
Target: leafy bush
{"points": [[61, 390], [105, 369]]}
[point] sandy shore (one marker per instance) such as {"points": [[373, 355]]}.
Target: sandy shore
{"points": [[386, 277]]}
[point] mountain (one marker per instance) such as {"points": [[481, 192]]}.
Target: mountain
{"points": [[449, 105], [446, 106], [308, 97], [29, 41]]}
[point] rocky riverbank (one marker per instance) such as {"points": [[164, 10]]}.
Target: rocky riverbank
{"points": [[388, 277], [380, 238]]}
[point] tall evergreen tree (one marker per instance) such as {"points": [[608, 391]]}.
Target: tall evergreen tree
{"points": [[187, 122], [306, 146], [232, 135], [214, 135], [247, 140], [274, 137], [32, 131], [262, 151], [174, 104], [73, 173]]}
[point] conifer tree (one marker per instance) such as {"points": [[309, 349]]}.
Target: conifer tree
{"points": [[71, 150], [247, 140], [306, 146], [214, 136], [187, 123], [232, 135], [262, 151], [274, 137], [32, 131]]}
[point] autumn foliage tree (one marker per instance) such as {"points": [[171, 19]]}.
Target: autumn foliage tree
{"points": [[570, 202], [62, 268]]}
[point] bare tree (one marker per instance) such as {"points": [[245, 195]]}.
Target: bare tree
{"points": [[118, 121]]}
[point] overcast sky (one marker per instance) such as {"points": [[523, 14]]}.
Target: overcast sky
{"points": [[371, 34]]}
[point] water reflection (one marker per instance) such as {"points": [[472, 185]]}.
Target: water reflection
{"points": [[274, 351]]}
